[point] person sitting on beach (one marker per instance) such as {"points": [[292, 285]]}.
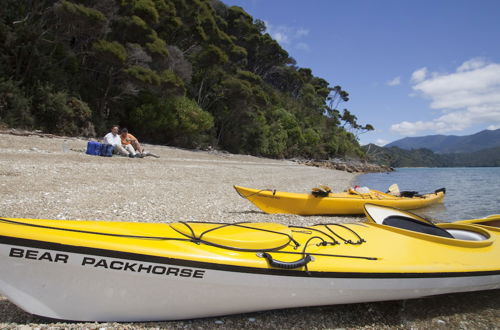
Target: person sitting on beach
{"points": [[114, 139], [131, 143]]}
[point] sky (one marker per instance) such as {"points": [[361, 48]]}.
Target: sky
{"points": [[412, 68]]}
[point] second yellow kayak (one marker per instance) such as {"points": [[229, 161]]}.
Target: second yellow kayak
{"points": [[344, 203]]}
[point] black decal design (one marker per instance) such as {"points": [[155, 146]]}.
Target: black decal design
{"points": [[16, 253], [146, 268], [101, 263], [130, 267], [31, 254], [88, 261], [173, 271], [159, 270], [198, 273], [62, 257], [113, 264], [46, 256], [186, 272]]}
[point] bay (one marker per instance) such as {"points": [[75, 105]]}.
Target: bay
{"points": [[471, 192]]}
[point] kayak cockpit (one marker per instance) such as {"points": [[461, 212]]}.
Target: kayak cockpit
{"points": [[408, 223], [411, 224], [467, 235]]}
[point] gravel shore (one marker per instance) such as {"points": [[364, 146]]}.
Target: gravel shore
{"points": [[38, 179]]}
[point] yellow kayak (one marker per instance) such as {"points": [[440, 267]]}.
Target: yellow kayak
{"points": [[119, 271], [351, 202]]}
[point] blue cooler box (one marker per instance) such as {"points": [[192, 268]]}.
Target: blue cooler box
{"points": [[94, 148], [107, 150]]}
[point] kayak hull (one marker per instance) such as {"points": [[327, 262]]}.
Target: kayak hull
{"points": [[71, 291], [278, 202]]}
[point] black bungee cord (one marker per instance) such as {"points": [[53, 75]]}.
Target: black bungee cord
{"points": [[198, 240]]}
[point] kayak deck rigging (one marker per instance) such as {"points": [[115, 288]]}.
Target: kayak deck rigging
{"points": [[197, 237]]}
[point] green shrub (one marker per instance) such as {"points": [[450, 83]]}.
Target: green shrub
{"points": [[145, 9], [59, 113], [177, 120], [212, 55], [15, 106], [157, 46], [111, 51], [143, 75], [90, 14]]}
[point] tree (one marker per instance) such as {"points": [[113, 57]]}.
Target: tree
{"points": [[180, 72]]}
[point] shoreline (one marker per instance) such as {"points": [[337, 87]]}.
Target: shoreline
{"points": [[39, 180], [348, 165], [342, 164]]}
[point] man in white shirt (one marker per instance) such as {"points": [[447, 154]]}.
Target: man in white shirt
{"points": [[114, 139]]}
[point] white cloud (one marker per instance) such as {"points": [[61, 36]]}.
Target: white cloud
{"points": [[281, 37], [394, 82], [419, 75], [471, 64], [468, 96], [381, 142], [288, 36], [301, 32], [493, 127], [407, 128], [303, 46]]}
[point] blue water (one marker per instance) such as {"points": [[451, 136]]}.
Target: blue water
{"points": [[471, 192]]}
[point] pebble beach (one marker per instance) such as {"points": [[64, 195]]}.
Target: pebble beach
{"points": [[52, 178]]}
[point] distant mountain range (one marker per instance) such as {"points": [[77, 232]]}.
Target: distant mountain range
{"points": [[480, 149], [444, 144], [397, 157]]}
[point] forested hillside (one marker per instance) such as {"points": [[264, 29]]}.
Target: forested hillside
{"points": [[397, 157], [189, 73]]}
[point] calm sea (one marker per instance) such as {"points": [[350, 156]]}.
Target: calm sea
{"points": [[471, 192]]}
